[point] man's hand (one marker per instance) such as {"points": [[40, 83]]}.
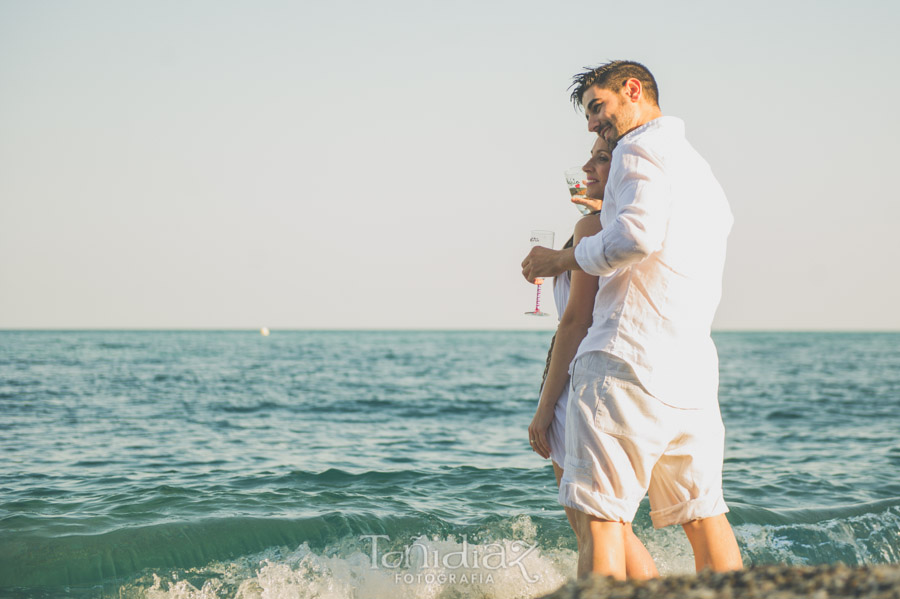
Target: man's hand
{"points": [[544, 262]]}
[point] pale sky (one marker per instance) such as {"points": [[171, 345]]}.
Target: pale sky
{"points": [[209, 164]]}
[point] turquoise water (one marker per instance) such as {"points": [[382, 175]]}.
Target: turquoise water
{"points": [[227, 464]]}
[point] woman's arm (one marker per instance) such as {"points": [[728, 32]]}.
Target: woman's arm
{"points": [[573, 326]]}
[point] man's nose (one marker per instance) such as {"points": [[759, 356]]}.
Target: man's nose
{"points": [[593, 124]]}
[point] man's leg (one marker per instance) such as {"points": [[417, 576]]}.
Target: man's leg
{"points": [[638, 562], [601, 547], [714, 544], [686, 486], [610, 450]]}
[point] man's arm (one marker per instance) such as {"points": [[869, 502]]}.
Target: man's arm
{"points": [[643, 202], [544, 262]]}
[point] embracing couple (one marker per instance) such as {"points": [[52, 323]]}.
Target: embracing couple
{"points": [[629, 404]]}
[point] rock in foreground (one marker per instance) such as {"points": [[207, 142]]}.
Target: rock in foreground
{"points": [[769, 582]]}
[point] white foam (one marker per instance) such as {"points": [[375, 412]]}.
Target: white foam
{"points": [[421, 568], [433, 568]]}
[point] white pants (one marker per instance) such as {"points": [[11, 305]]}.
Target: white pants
{"points": [[622, 442]]}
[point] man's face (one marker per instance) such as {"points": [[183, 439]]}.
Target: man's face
{"points": [[610, 114]]}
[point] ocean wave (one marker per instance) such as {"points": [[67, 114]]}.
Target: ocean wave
{"points": [[157, 560], [861, 534], [83, 561], [435, 569], [504, 560]]}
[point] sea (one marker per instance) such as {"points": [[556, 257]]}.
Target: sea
{"points": [[394, 464]]}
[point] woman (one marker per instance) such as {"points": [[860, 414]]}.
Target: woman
{"points": [[574, 293]]}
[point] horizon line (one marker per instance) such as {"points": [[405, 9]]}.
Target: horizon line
{"points": [[389, 329]]}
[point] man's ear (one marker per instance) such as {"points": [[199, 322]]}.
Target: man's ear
{"points": [[633, 89]]}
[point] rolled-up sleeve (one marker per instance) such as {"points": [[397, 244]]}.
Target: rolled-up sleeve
{"points": [[643, 200]]}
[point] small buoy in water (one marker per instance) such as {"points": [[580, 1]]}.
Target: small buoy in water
{"points": [[264, 332]]}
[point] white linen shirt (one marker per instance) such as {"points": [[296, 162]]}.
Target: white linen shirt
{"points": [[660, 257]]}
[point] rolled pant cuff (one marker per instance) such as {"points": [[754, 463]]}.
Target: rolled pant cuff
{"points": [[701, 507], [604, 507]]}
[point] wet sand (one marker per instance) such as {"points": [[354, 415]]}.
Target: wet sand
{"points": [[769, 582]]}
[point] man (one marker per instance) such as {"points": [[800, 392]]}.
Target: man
{"points": [[644, 414]]}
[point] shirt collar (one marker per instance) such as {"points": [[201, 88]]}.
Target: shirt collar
{"points": [[672, 124]]}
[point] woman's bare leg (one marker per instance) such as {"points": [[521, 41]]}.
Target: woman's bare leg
{"points": [[571, 513]]}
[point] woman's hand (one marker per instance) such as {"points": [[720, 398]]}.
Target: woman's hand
{"points": [[537, 432], [592, 204]]}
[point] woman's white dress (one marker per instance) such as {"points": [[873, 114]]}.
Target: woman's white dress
{"points": [[557, 432]]}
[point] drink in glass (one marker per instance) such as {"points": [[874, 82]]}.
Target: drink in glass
{"points": [[577, 186], [544, 239]]}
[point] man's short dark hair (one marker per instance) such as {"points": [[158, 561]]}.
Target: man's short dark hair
{"points": [[612, 76]]}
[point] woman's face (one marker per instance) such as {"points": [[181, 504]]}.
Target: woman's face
{"points": [[597, 168]]}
